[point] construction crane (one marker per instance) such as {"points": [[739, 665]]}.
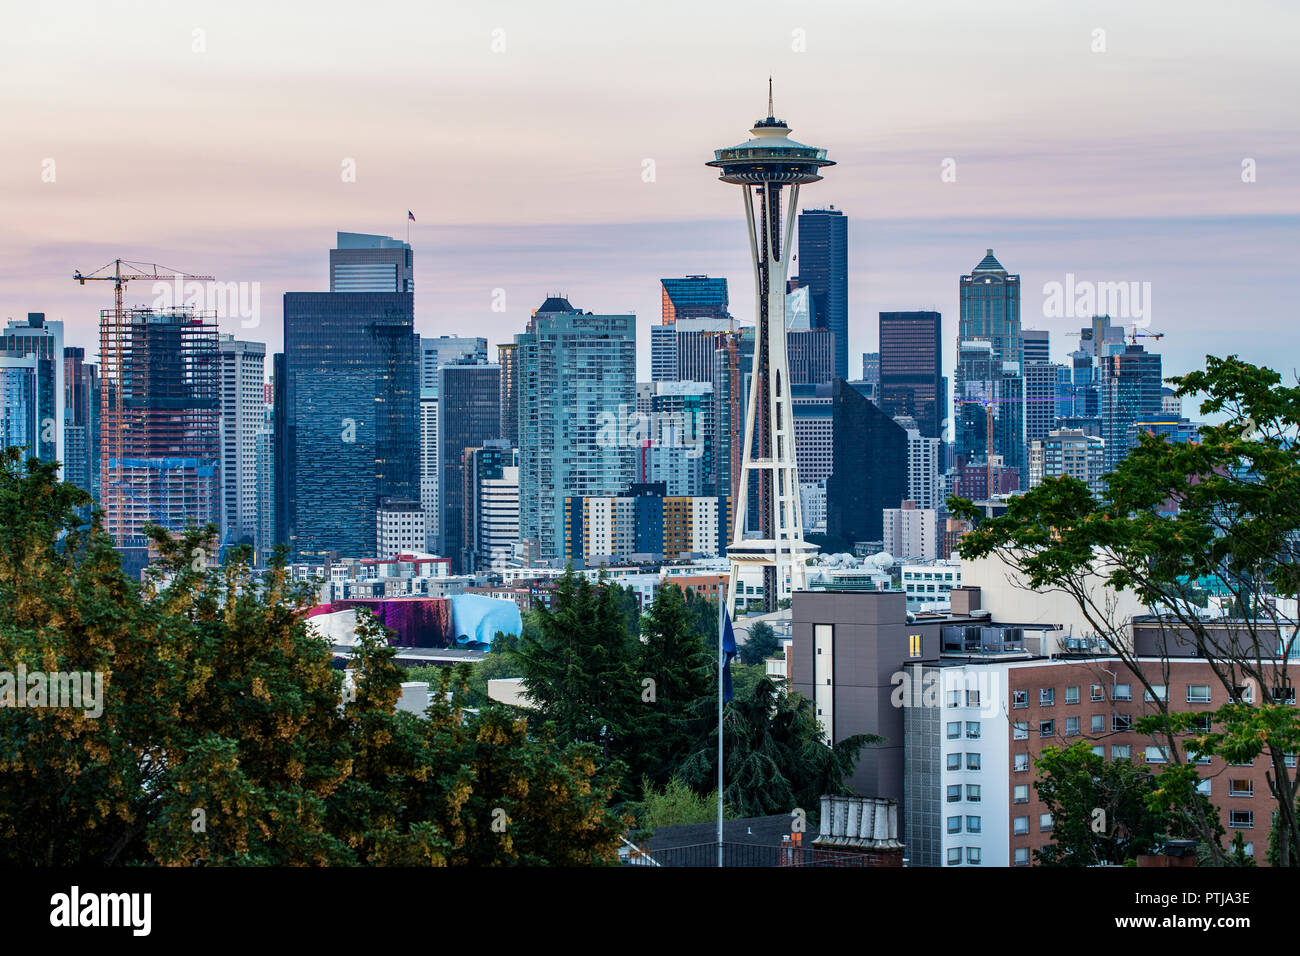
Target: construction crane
{"points": [[119, 272], [1136, 334]]}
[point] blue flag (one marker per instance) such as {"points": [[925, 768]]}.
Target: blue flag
{"points": [[728, 652]]}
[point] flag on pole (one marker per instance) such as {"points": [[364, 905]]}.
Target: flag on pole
{"points": [[410, 215], [728, 652]]}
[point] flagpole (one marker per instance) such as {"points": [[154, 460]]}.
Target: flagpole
{"points": [[722, 603]]}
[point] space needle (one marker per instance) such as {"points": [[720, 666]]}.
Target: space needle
{"points": [[763, 166]]}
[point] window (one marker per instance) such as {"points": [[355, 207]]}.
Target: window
{"points": [[1122, 692], [954, 698], [1020, 730], [1097, 723], [1121, 752], [1099, 750], [1021, 793], [972, 761], [1198, 693], [1283, 695], [1022, 856], [1096, 693], [1290, 760], [1244, 694], [972, 698], [973, 792], [1240, 788], [954, 824], [954, 856], [1157, 755], [914, 645], [1019, 699], [1020, 825], [1071, 726], [972, 824], [1021, 763], [954, 729], [1248, 763], [1046, 728], [1121, 722], [1072, 695], [1046, 696], [1202, 724], [1241, 819], [973, 855], [1204, 787], [1160, 692], [954, 793], [972, 729], [954, 761], [1045, 822]]}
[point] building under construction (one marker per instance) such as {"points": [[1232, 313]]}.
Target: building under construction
{"points": [[159, 423]]}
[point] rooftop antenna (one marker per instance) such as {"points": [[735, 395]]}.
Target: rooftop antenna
{"points": [[771, 113]]}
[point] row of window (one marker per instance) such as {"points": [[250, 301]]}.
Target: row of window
{"points": [[973, 825], [1196, 694], [972, 793], [972, 855], [1020, 825], [972, 761]]}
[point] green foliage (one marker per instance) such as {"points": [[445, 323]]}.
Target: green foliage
{"points": [[1174, 519], [223, 737], [675, 805], [761, 644], [774, 757]]}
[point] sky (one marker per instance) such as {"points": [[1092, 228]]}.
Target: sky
{"points": [[559, 148]]}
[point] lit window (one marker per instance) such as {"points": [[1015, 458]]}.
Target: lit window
{"points": [[1240, 788], [1241, 819], [914, 645]]}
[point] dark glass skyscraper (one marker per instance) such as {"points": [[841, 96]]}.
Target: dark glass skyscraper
{"points": [[869, 466], [911, 368], [469, 415], [1129, 393], [824, 270], [694, 297], [351, 428]]}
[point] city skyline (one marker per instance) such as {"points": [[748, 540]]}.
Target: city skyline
{"points": [[1070, 199]]}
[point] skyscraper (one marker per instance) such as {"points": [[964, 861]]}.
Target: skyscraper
{"points": [[911, 367], [436, 352], [351, 398], [990, 386], [824, 269], [693, 297], [18, 404], [577, 388], [243, 402], [43, 339], [469, 415], [869, 467], [1129, 393], [364, 263], [508, 359], [762, 167], [162, 454], [81, 421], [491, 525]]}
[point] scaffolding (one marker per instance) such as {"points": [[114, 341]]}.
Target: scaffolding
{"points": [[159, 419]]}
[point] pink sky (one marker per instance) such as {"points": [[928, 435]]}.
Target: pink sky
{"points": [[220, 151]]}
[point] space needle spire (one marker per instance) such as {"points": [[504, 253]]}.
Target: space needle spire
{"points": [[763, 167]]}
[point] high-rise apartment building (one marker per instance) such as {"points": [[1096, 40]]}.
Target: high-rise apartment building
{"points": [[911, 368], [243, 410], [43, 339], [80, 421], [824, 269], [1067, 451], [577, 383]]}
